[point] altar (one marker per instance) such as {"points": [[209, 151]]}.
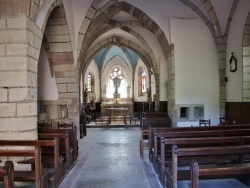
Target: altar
{"points": [[128, 105], [117, 109]]}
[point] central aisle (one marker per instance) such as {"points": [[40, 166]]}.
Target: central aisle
{"points": [[109, 158]]}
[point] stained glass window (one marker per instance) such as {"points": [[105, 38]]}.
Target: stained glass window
{"points": [[89, 82], [143, 81]]}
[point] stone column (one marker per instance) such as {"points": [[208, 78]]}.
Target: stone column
{"points": [[172, 110], [20, 42]]}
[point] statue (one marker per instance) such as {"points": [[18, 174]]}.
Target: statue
{"points": [[128, 90], [105, 90], [92, 101], [148, 93], [85, 95]]}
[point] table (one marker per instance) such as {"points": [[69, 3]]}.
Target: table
{"points": [[121, 109]]}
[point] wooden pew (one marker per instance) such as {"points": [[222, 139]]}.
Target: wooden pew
{"points": [[176, 138], [186, 159], [7, 174], [65, 126], [212, 171], [39, 175], [216, 172], [73, 142], [64, 147], [156, 150], [153, 130], [54, 161], [150, 119]]}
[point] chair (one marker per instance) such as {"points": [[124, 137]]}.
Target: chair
{"points": [[45, 125], [204, 122], [65, 126], [223, 121]]}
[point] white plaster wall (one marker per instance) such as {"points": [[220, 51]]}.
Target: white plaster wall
{"points": [[47, 88], [94, 69], [196, 66], [234, 84]]}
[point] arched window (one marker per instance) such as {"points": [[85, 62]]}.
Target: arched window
{"points": [[90, 82], [143, 80], [142, 88], [116, 82]]}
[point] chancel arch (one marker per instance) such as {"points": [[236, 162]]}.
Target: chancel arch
{"points": [[129, 46]]}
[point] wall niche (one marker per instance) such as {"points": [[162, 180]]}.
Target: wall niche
{"points": [[190, 112]]}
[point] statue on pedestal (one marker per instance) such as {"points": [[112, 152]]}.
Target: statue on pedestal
{"points": [[148, 94]]}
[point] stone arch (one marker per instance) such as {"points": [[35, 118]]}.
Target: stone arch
{"points": [[109, 42], [88, 34], [125, 27], [114, 9], [55, 4], [56, 33], [46, 46], [246, 61], [146, 58]]}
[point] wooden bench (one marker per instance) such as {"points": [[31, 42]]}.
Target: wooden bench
{"points": [[38, 175], [73, 142], [156, 150], [151, 119], [171, 163], [64, 148], [216, 172], [153, 130], [7, 174], [168, 139], [211, 171], [54, 161]]}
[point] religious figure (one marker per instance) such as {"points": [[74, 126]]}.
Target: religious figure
{"points": [[105, 90], [128, 91], [85, 95], [148, 93], [92, 101]]}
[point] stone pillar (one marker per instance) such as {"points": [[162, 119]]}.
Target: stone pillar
{"points": [[172, 110], [20, 42], [246, 60]]}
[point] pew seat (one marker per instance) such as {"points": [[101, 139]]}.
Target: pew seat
{"points": [[7, 174], [39, 175]]}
